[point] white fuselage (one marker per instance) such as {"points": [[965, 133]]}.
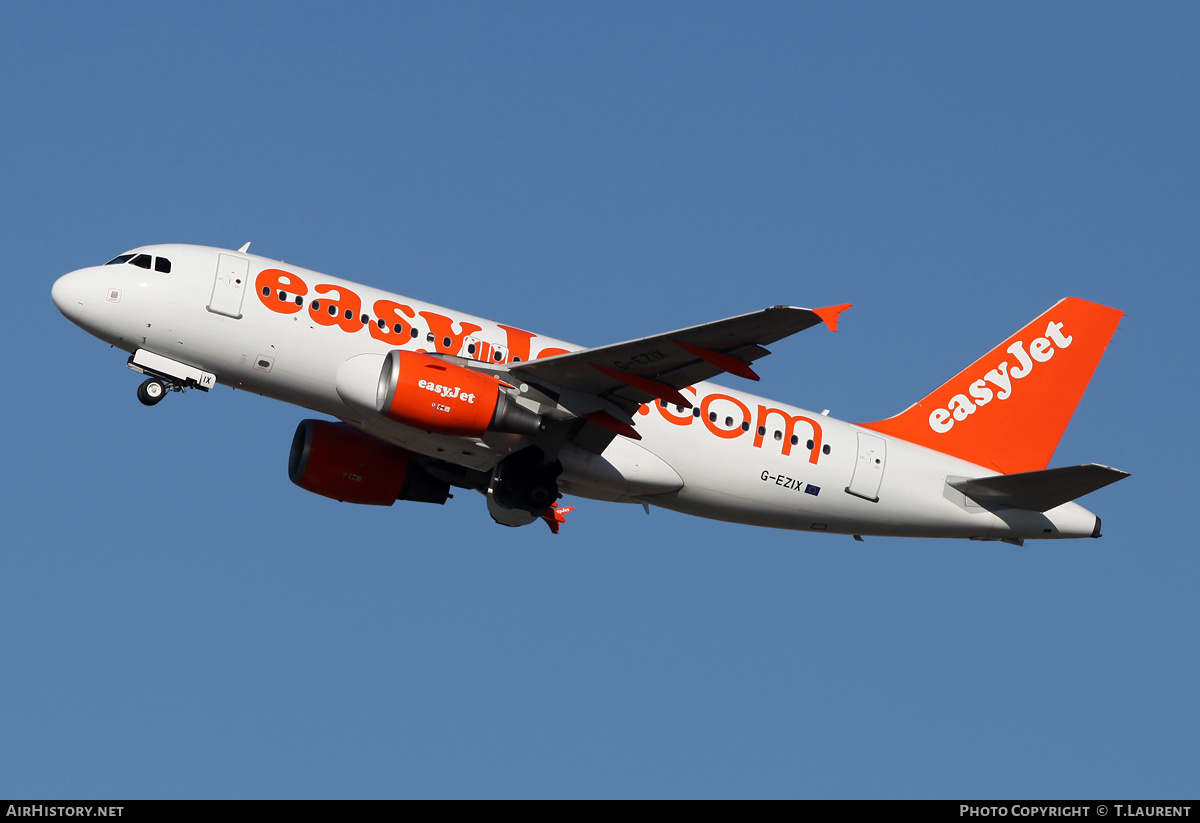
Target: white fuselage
{"points": [[735, 457]]}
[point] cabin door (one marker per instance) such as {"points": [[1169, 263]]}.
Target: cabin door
{"points": [[229, 286]]}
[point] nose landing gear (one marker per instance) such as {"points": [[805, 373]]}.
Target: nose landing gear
{"points": [[166, 375]]}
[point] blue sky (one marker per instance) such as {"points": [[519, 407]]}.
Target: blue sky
{"points": [[181, 621]]}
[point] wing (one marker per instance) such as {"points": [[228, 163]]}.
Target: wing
{"points": [[637, 371]]}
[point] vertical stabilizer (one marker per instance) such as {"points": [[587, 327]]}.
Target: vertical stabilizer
{"points": [[1009, 409]]}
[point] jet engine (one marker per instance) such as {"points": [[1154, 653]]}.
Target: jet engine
{"points": [[337, 461], [433, 395]]}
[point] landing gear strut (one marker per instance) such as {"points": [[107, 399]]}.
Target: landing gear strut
{"points": [[152, 392]]}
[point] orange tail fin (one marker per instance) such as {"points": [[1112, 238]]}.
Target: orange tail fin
{"points": [[1008, 409]]}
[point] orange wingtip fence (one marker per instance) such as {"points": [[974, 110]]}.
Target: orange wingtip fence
{"points": [[555, 516], [829, 315]]}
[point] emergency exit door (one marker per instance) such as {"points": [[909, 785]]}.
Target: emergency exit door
{"points": [[868, 469], [229, 286]]}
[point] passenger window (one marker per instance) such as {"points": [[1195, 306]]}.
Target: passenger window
{"points": [[142, 261], [116, 261], [162, 264]]}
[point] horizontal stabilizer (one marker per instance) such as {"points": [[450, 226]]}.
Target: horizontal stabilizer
{"points": [[1038, 491]]}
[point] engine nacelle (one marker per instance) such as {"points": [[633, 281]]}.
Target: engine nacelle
{"points": [[430, 394], [337, 461]]}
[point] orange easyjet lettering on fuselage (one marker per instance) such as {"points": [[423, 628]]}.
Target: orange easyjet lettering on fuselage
{"points": [[706, 416], [344, 311], [280, 291], [393, 323], [787, 434], [445, 339], [283, 292]]}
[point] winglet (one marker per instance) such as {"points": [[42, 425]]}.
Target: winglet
{"points": [[555, 516], [829, 314], [721, 361]]}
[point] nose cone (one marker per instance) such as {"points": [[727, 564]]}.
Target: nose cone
{"points": [[69, 293]]}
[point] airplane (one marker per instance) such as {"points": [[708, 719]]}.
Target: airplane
{"points": [[427, 399]]}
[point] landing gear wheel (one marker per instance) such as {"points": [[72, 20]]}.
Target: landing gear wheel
{"points": [[524, 481], [151, 392], [542, 496]]}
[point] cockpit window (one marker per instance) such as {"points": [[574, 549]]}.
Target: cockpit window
{"points": [[161, 264]]}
